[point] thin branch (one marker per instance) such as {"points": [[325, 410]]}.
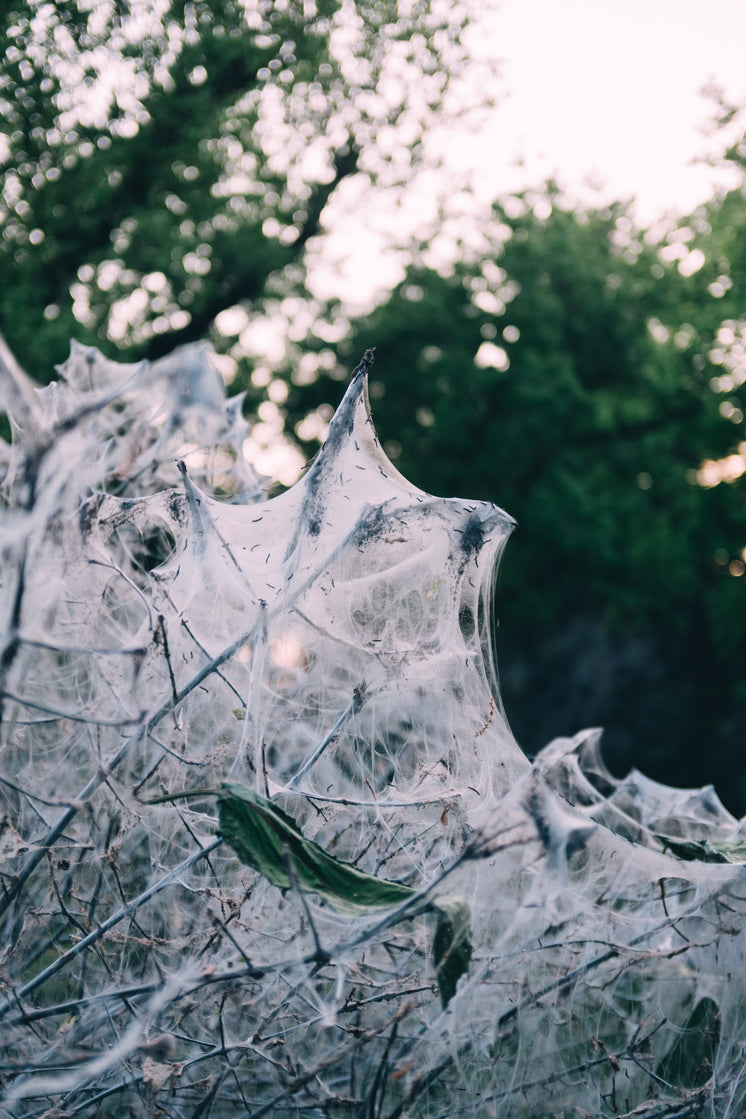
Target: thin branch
{"points": [[125, 911]]}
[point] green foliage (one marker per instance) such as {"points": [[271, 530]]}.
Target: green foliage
{"points": [[162, 163], [452, 945], [267, 839]]}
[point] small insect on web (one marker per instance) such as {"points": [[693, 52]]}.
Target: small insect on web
{"points": [[270, 847]]}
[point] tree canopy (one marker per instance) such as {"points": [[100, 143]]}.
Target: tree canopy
{"points": [[164, 162]]}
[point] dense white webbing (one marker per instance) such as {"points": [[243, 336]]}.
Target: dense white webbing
{"points": [[164, 625]]}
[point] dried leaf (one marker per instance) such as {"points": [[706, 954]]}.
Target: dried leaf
{"points": [[11, 843], [155, 1073]]}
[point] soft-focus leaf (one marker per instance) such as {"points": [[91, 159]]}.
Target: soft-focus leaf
{"points": [[451, 943], [730, 852], [704, 851]]}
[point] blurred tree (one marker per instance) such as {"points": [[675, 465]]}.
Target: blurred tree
{"points": [[163, 162], [568, 375]]}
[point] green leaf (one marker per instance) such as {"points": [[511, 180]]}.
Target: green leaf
{"points": [[451, 944], [267, 839]]}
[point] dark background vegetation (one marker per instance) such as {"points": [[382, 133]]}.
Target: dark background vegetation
{"points": [[581, 372]]}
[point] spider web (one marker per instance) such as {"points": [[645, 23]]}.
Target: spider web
{"points": [[165, 627]]}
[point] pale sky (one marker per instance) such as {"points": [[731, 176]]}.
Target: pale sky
{"points": [[589, 92], [612, 91]]}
